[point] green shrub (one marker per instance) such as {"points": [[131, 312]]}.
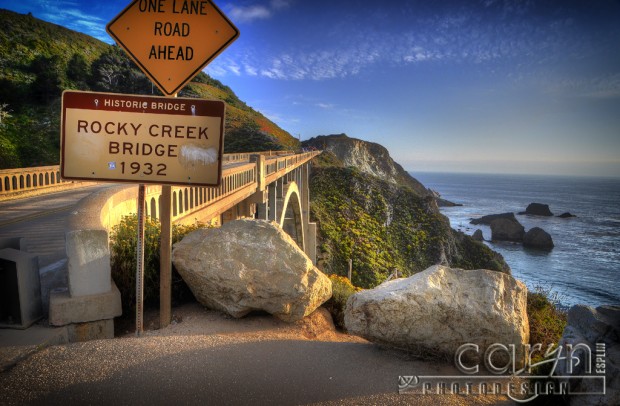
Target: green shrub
{"points": [[341, 290], [547, 320], [123, 242]]}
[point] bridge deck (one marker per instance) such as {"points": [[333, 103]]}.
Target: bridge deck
{"points": [[43, 219]]}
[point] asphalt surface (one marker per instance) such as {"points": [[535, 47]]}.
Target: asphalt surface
{"points": [[207, 358], [42, 221], [216, 370]]}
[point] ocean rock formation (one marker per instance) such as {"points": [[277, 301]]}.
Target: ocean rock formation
{"points": [[537, 209], [441, 308], [599, 331], [478, 236], [488, 219], [248, 265], [506, 229], [566, 215], [538, 238]]}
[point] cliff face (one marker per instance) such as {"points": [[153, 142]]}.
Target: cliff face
{"points": [[368, 214], [368, 157]]}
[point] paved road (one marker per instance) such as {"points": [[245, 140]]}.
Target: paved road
{"points": [[42, 221], [220, 369]]}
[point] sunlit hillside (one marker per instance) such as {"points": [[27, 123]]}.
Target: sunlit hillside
{"points": [[38, 60]]}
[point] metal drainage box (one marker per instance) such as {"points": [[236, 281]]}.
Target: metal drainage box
{"points": [[20, 289]]}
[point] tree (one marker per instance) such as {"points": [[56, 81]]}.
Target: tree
{"points": [[250, 138], [115, 72], [78, 71], [4, 112], [47, 84]]}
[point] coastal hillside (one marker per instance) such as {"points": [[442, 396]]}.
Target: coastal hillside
{"points": [[39, 60], [380, 224]]}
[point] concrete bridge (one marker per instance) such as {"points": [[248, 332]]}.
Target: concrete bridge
{"points": [[271, 186]]}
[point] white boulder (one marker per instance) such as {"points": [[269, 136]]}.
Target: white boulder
{"points": [[248, 265], [438, 310]]}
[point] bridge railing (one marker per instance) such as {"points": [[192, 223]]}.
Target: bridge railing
{"points": [[189, 204], [22, 179], [19, 180]]}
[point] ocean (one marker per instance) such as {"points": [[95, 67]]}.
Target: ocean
{"points": [[584, 266]]}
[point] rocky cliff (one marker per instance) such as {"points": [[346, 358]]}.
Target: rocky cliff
{"points": [[369, 213], [368, 157]]}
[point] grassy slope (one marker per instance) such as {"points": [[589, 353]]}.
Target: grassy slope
{"points": [[29, 135], [382, 226], [23, 38]]}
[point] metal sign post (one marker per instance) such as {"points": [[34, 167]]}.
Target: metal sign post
{"points": [[140, 263], [171, 43], [165, 260]]}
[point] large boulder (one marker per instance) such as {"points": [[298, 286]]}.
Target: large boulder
{"points": [[488, 219], [248, 265], [594, 331], [506, 229], [438, 310], [538, 238], [537, 209]]}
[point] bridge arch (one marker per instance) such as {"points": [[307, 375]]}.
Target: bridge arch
{"points": [[291, 218]]}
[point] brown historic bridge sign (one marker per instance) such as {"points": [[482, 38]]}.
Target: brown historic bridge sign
{"points": [[141, 139], [172, 40]]}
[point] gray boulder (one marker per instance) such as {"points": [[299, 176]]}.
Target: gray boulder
{"points": [[566, 215], [538, 238], [248, 265], [596, 331], [505, 229], [537, 209], [441, 308]]}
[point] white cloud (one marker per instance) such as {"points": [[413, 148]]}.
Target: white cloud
{"points": [[279, 4], [250, 70], [454, 35], [234, 68], [249, 13], [68, 14], [244, 14]]}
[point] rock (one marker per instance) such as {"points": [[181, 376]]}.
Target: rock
{"points": [[478, 235], [538, 238], [537, 209], [488, 219], [439, 309], [506, 229], [319, 324], [566, 215], [588, 326], [248, 265], [369, 157]]}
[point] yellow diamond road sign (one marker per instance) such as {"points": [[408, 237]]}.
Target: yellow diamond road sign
{"points": [[172, 40]]}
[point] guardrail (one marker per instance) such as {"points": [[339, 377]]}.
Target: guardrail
{"points": [[37, 178]]}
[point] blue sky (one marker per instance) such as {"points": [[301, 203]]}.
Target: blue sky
{"points": [[500, 86]]}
